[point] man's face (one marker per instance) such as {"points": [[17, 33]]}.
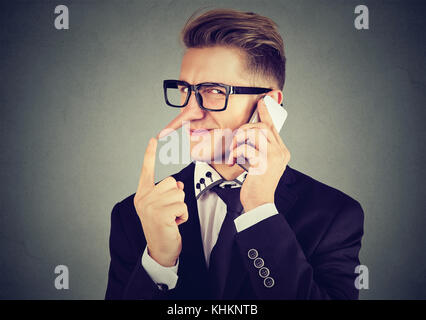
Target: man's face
{"points": [[220, 65]]}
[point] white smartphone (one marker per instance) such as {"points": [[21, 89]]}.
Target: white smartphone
{"points": [[278, 115]]}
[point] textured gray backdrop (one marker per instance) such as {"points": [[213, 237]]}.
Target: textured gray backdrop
{"points": [[78, 107]]}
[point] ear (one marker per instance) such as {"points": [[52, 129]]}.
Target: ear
{"points": [[277, 95]]}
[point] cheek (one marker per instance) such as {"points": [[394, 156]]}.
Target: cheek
{"points": [[237, 113]]}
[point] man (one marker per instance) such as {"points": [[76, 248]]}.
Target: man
{"points": [[213, 230]]}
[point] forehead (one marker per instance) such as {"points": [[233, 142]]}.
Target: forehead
{"points": [[214, 64]]}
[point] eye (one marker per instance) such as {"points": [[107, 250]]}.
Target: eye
{"points": [[183, 89], [214, 91], [217, 91]]}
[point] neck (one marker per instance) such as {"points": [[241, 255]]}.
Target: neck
{"points": [[227, 172]]}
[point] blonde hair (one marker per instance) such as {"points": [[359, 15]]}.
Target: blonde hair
{"points": [[252, 33]]}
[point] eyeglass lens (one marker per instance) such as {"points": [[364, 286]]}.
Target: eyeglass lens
{"points": [[213, 96]]}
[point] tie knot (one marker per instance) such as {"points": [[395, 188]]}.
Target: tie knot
{"points": [[231, 197]]}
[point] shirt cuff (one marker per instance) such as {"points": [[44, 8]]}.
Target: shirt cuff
{"points": [[250, 218], [159, 274]]}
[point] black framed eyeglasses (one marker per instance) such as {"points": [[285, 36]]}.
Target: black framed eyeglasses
{"points": [[210, 96]]}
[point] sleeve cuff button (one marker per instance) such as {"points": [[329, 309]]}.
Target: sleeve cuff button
{"points": [[253, 254], [264, 272], [259, 263], [268, 282]]}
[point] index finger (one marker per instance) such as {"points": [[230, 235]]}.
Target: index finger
{"points": [[146, 179], [264, 113]]}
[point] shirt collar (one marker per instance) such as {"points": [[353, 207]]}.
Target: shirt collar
{"points": [[206, 177]]}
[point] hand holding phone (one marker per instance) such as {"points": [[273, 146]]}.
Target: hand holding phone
{"points": [[277, 112]]}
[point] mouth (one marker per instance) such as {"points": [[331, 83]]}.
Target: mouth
{"points": [[199, 132]]}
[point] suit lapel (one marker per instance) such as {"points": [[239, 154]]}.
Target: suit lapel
{"points": [[285, 196]]}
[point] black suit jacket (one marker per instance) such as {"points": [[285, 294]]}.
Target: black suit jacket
{"points": [[310, 248]]}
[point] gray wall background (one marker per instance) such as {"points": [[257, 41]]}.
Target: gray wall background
{"points": [[78, 107]]}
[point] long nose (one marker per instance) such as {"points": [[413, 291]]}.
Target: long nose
{"points": [[190, 112]]}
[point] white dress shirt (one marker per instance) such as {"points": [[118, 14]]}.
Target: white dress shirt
{"points": [[211, 213]]}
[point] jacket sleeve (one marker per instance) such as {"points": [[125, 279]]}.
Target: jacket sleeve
{"points": [[279, 269], [127, 279]]}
